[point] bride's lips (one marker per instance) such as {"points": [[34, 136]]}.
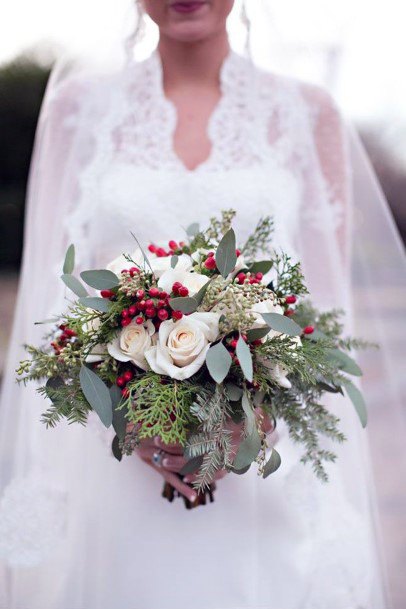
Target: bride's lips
{"points": [[185, 6]]}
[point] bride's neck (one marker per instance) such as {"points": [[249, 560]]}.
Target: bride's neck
{"points": [[193, 62]]}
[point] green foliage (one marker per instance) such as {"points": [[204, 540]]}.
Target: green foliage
{"points": [[290, 279], [260, 240]]}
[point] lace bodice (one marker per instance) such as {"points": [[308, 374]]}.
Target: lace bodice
{"points": [[135, 181]]}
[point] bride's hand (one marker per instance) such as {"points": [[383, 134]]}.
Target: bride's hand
{"points": [[173, 460]]}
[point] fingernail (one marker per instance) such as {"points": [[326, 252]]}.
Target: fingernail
{"points": [[165, 462], [186, 479], [193, 497]]}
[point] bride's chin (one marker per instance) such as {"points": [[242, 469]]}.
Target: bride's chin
{"points": [[188, 32]]}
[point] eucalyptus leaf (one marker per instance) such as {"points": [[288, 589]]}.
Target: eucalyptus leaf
{"points": [[247, 451], [281, 323], [115, 448], [249, 413], [74, 285], [119, 418], [193, 229], [186, 305], [69, 263], [218, 361], [233, 392], [344, 362], [242, 471], [53, 383], [328, 388], [226, 256], [316, 335], [245, 358], [201, 293], [357, 399], [263, 266], [97, 394], [100, 279], [97, 304], [257, 333], [272, 464], [174, 261], [191, 466]]}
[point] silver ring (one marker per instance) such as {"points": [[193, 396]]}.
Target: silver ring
{"points": [[157, 458]]}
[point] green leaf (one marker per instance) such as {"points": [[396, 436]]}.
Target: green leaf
{"points": [[100, 280], [119, 418], [257, 333], [218, 361], [242, 471], [115, 448], [97, 394], [344, 362], [53, 383], [174, 261], [272, 464], [233, 392], [186, 305], [245, 358], [248, 450], [281, 323], [193, 229], [201, 293], [69, 263], [191, 466], [97, 304], [324, 386], [249, 413], [226, 256], [261, 267], [357, 399], [74, 285], [316, 335]]}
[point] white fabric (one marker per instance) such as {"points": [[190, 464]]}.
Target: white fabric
{"points": [[105, 165]]}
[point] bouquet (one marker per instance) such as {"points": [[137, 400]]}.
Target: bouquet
{"points": [[178, 341]]}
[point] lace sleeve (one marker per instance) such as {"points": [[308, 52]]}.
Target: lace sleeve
{"points": [[331, 146]]}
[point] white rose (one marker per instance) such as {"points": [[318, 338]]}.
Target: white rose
{"points": [[121, 263], [192, 281], [162, 264], [132, 342], [182, 346]]}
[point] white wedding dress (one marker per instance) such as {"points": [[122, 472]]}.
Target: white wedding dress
{"points": [[78, 530]]}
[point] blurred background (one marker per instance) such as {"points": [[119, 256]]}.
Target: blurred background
{"points": [[354, 48]]}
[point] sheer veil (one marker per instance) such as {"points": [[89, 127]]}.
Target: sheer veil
{"points": [[375, 293]]}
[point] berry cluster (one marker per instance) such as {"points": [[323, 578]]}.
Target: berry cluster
{"points": [[152, 304], [250, 278], [174, 249], [123, 380], [63, 339], [291, 300]]}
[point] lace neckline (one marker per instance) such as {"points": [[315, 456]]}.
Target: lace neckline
{"points": [[235, 74]]}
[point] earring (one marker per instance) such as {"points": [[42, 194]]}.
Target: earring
{"points": [[246, 21], [137, 34]]}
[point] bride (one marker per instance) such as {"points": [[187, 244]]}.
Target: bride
{"points": [[193, 129]]}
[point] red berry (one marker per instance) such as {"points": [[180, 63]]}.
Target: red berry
{"points": [[237, 253], [210, 263], [233, 343], [63, 327], [161, 303], [163, 314], [140, 294], [183, 291], [142, 305], [236, 361], [210, 254], [172, 417], [126, 322], [125, 313], [154, 292], [134, 271], [161, 253], [106, 293], [120, 382], [176, 286], [150, 312], [163, 295], [290, 299], [177, 315], [256, 342], [289, 312], [128, 375], [149, 303], [259, 276], [139, 320], [157, 324], [132, 310], [152, 248], [125, 392], [173, 245], [182, 244], [69, 333], [308, 330], [241, 277]]}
